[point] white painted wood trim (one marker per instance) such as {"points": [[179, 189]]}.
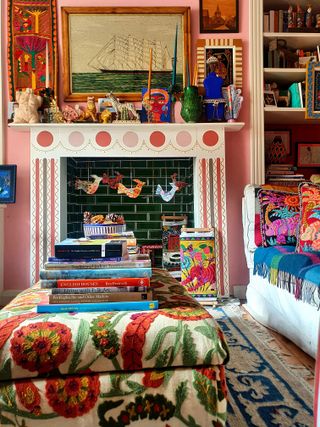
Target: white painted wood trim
{"points": [[257, 170]]}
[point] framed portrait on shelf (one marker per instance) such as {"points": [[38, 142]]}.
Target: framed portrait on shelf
{"points": [[112, 49], [277, 145], [219, 17], [8, 175], [229, 54], [313, 90], [308, 154], [269, 98]]}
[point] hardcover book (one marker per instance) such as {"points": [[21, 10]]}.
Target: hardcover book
{"points": [[102, 273], [109, 289], [99, 306], [100, 297], [76, 248], [94, 283]]}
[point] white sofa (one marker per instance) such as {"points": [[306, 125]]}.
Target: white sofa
{"points": [[270, 305]]}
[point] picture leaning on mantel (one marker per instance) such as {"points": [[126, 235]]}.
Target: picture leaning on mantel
{"points": [[107, 49]]}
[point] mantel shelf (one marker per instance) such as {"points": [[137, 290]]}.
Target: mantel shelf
{"points": [[143, 127]]}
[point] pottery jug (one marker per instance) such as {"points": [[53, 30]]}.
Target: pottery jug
{"points": [[191, 109]]}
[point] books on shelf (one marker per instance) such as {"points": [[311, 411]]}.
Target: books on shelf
{"points": [[99, 306], [111, 273], [107, 289], [87, 248], [94, 283], [100, 297]]}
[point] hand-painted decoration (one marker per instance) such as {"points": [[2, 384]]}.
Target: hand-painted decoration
{"points": [[89, 187], [113, 182], [132, 192], [32, 45], [166, 195], [178, 184]]}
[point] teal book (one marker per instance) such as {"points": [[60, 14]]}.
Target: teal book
{"points": [[295, 96], [100, 306], [101, 273]]}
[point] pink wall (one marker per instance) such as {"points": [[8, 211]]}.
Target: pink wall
{"points": [[17, 216]]}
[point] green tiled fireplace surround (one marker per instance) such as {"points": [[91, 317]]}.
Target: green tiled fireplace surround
{"points": [[143, 214]]}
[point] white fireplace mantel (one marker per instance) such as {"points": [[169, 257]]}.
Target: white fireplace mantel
{"points": [[51, 144]]}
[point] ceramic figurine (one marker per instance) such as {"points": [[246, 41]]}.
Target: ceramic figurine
{"points": [[214, 100], [300, 17], [309, 17], [90, 113], [27, 111], [69, 114], [233, 102], [125, 112]]}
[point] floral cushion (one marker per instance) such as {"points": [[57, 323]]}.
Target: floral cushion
{"points": [[309, 228], [279, 217]]}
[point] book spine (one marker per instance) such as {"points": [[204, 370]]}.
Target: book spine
{"points": [[101, 273], [86, 252], [110, 289], [102, 306], [103, 297], [94, 283], [95, 264]]}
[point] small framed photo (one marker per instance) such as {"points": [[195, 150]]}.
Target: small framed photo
{"points": [[219, 17], [276, 138], [269, 98], [313, 90], [308, 154], [8, 174]]}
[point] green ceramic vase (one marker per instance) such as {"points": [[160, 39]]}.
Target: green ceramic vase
{"points": [[191, 109]]}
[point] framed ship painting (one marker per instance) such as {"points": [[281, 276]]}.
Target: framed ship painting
{"points": [[108, 49], [219, 17]]}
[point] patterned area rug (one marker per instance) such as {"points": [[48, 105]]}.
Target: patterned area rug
{"points": [[263, 390]]}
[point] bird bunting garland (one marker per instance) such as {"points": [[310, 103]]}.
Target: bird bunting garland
{"points": [[89, 187], [166, 195], [132, 192], [113, 182], [178, 184]]}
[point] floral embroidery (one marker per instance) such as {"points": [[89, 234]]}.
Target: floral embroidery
{"points": [[74, 396], [104, 336], [41, 346], [29, 396], [8, 325], [185, 312], [153, 379]]}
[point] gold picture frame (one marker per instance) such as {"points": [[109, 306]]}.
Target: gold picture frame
{"points": [[107, 49], [230, 51], [313, 90]]}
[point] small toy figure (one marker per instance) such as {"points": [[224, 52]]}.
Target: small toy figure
{"points": [[309, 17], [90, 187], [105, 116], [27, 112], [213, 86], [69, 114], [90, 113], [292, 17], [300, 17]]}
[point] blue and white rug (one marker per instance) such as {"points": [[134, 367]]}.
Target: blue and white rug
{"points": [[263, 390]]}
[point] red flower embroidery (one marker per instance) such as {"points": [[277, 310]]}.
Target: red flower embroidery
{"points": [[210, 373], [41, 346], [153, 379], [74, 396], [8, 325], [185, 313], [223, 381], [29, 396]]}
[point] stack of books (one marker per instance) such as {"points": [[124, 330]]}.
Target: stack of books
{"points": [[96, 276], [283, 174]]}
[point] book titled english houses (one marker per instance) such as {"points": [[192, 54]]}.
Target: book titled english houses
{"points": [[87, 248]]}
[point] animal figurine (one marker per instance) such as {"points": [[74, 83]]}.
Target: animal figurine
{"points": [[178, 184], [105, 116], [27, 111], [124, 111], [112, 182], [134, 192], [69, 114], [166, 195], [89, 187], [90, 113]]}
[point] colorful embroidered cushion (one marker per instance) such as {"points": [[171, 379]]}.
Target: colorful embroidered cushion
{"points": [[309, 228], [279, 217]]}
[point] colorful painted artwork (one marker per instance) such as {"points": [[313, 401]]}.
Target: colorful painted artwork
{"points": [[156, 107], [32, 49], [8, 183], [198, 269]]}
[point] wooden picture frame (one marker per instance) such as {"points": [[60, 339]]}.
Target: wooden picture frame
{"points": [[313, 90], [228, 51], [8, 174], [283, 136], [222, 17], [308, 154], [269, 98], [92, 69]]}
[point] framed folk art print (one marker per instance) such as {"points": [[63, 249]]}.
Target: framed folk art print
{"points": [[8, 175], [313, 90], [219, 17]]}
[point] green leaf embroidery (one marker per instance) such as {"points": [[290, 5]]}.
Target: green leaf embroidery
{"points": [[5, 421], [189, 353], [206, 393], [136, 387], [162, 359], [81, 340], [181, 395], [159, 340], [5, 370]]}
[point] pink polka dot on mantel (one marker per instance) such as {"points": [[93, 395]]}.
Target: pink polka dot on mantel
{"points": [[210, 138], [103, 139], [130, 139], [183, 138], [76, 139], [157, 139], [45, 138]]}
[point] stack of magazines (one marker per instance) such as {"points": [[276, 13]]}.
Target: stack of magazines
{"points": [[96, 275]]}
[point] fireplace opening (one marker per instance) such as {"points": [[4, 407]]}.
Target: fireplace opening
{"points": [[143, 214]]}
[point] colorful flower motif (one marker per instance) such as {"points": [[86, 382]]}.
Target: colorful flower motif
{"points": [[292, 201], [29, 396], [223, 381], [104, 337], [41, 346], [153, 379], [74, 396], [209, 372], [27, 301], [185, 312], [8, 325]]}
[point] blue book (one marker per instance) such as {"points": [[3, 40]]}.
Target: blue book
{"points": [[101, 248], [102, 273], [100, 306]]}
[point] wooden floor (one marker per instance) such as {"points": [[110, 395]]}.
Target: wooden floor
{"points": [[289, 351]]}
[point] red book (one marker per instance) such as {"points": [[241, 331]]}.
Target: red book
{"points": [[95, 283]]}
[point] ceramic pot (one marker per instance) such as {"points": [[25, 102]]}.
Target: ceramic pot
{"points": [[191, 110]]}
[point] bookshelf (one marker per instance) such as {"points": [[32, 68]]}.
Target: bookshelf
{"points": [[266, 70]]}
